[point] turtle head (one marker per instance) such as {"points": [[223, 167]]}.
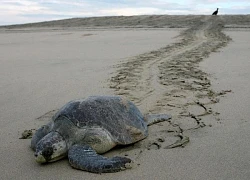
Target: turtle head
{"points": [[51, 147], [40, 133]]}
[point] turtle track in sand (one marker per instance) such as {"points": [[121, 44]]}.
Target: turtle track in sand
{"points": [[168, 80]]}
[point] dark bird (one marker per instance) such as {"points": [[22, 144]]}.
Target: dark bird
{"points": [[215, 12]]}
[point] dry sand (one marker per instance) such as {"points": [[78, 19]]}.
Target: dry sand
{"points": [[200, 77]]}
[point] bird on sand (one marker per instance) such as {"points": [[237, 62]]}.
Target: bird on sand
{"points": [[215, 12]]}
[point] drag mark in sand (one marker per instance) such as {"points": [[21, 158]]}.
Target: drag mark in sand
{"points": [[169, 80]]}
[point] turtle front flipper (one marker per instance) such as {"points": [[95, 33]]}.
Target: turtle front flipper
{"points": [[85, 158]]}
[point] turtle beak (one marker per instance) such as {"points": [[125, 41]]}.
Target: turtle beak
{"points": [[44, 156], [39, 158]]}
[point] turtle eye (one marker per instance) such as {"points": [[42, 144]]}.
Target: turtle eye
{"points": [[47, 152]]}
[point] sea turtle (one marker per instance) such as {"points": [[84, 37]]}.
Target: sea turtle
{"points": [[82, 128]]}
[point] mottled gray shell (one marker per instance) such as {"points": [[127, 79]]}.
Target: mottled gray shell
{"points": [[120, 117]]}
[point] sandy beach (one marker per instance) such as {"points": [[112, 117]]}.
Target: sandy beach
{"points": [[195, 68]]}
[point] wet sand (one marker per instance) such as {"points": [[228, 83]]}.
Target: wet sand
{"points": [[200, 77]]}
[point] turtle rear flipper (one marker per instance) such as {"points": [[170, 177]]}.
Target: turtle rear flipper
{"points": [[85, 158], [156, 118]]}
